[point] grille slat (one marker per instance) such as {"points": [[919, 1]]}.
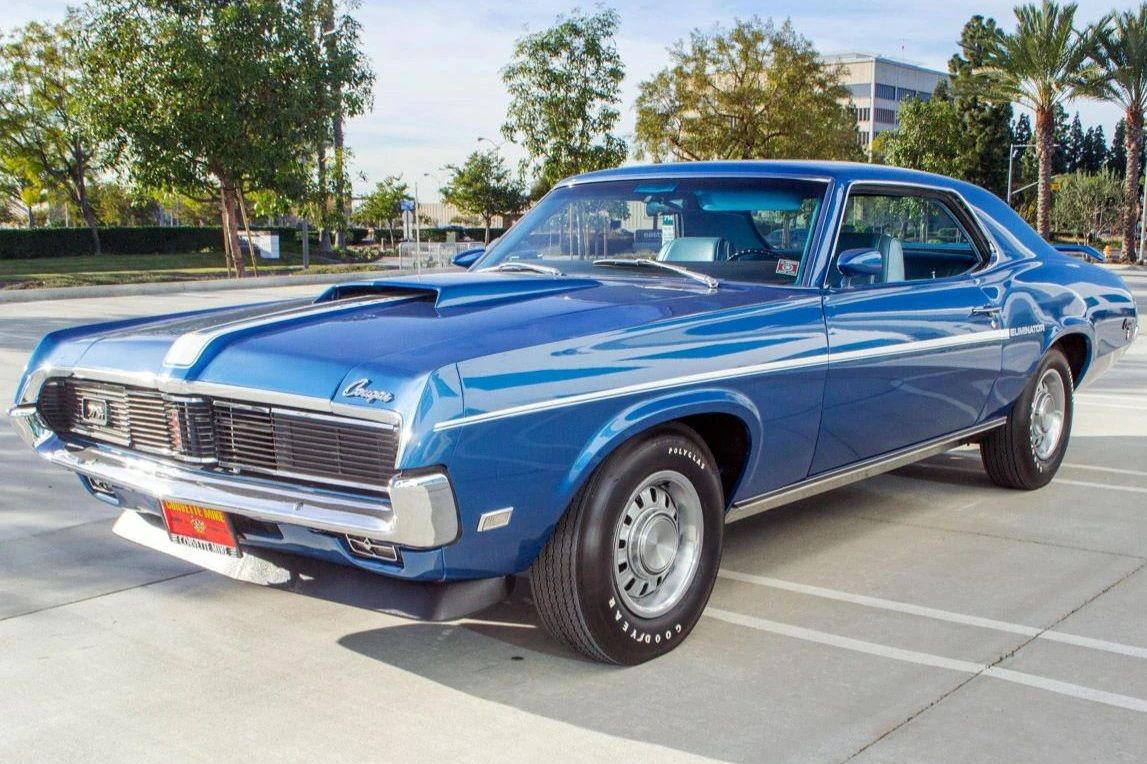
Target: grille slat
{"points": [[237, 436]]}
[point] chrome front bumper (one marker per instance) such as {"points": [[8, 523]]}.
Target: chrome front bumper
{"points": [[420, 514]]}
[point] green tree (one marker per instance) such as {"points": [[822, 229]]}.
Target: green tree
{"points": [[16, 188], [120, 204], [43, 126], [382, 206], [986, 122], [565, 88], [483, 186], [346, 90], [1022, 135], [755, 91], [930, 137], [1075, 145], [1122, 53], [206, 97], [1044, 63], [1087, 204], [1094, 150]]}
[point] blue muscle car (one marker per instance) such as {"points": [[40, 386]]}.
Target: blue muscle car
{"points": [[650, 353]]}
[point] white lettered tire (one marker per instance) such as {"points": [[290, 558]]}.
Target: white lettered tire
{"points": [[1026, 452], [629, 569]]}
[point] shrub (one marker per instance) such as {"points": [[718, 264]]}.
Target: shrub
{"points": [[21, 243]]}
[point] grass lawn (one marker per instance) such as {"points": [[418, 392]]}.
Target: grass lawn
{"points": [[133, 269]]}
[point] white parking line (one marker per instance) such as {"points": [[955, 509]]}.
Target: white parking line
{"points": [[1128, 396], [1108, 486], [935, 614], [1106, 405], [927, 659], [1112, 470]]}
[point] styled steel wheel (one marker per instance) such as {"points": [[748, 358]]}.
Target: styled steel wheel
{"points": [[629, 568], [1026, 452], [1048, 410], [658, 543]]}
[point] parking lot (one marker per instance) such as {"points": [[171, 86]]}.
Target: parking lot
{"points": [[924, 615]]}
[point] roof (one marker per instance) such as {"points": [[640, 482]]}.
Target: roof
{"points": [[846, 58], [842, 171]]}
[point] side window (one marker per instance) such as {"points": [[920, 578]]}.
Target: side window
{"points": [[890, 238]]}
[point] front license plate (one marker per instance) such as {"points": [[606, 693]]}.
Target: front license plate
{"points": [[200, 528]]}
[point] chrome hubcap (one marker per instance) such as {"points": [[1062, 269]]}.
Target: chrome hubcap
{"points": [[657, 543], [1049, 406]]}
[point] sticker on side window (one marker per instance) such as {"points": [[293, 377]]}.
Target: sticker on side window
{"points": [[788, 267]]}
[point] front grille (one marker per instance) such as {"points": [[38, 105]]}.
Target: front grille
{"points": [[240, 437], [136, 418]]}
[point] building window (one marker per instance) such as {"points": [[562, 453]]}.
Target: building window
{"points": [[862, 90], [885, 91], [902, 93], [887, 116], [862, 138], [863, 114]]}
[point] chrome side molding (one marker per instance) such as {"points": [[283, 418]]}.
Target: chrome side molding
{"points": [[856, 472]]}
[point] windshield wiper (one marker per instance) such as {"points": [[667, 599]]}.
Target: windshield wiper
{"points": [[518, 265], [622, 262]]}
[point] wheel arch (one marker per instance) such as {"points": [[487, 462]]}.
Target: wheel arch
{"points": [[1075, 345], [726, 421]]}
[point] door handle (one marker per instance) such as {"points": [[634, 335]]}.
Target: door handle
{"points": [[987, 310]]}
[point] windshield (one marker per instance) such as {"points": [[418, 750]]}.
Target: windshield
{"points": [[750, 229]]}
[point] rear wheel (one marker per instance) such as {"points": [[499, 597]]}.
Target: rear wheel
{"points": [[631, 565], [1026, 452]]}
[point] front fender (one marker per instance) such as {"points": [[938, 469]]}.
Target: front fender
{"points": [[645, 415], [536, 464]]}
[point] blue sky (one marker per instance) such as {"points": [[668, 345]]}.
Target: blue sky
{"points": [[438, 61]]}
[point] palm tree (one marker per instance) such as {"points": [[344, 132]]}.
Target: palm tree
{"points": [[1121, 52], [1044, 63]]}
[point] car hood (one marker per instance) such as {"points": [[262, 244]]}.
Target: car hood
{"points": [[393, 333]]}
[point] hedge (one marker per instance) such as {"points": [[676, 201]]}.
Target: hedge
{"points": [[20, 243]]}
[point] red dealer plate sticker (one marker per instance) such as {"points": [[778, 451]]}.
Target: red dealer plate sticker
{"points": [[200, 528]]}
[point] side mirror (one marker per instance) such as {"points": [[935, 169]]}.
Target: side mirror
{"points": [[860, 262], [468, 257]]}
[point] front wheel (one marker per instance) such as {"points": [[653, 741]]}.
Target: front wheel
{"points": [[631, 565], [1026, 452]]}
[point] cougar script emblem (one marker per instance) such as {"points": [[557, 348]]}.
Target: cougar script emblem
{"points": [[360, 388]]}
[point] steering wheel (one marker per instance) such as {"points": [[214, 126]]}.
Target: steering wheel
{"points": [[755, 253]]}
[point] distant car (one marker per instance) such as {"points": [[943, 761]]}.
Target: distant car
{"points": [[593, 421], [1084, 251], [456, 229]]}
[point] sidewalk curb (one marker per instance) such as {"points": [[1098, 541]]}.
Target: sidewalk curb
{"points": [[204, 285]]}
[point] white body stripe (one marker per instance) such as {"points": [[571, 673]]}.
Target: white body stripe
{"points": [[820, 359], [187, 348]]}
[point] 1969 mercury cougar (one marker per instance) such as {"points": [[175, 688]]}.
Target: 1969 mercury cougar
{"points": [[650, 353]]}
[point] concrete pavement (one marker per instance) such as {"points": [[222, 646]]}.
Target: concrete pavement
{"points": [[921, 615]]}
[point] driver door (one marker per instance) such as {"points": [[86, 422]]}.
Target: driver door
{"points": [[915, 349]]}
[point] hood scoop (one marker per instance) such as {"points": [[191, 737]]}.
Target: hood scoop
{"points": [[458, 290]]}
